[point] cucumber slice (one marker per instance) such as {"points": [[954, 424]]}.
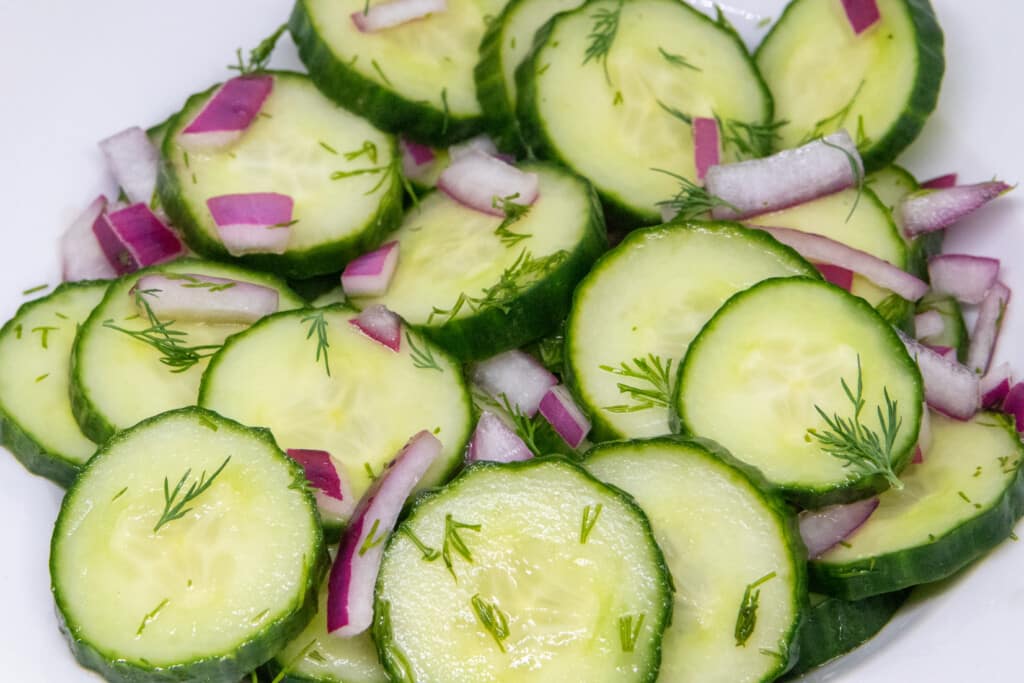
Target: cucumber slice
{"points": [[478, 289], [199, 584], [416, 78], [296, 146], [117, 380], [954, 334], [720, 533], [891, 184], [880, 85], [611, 118], [36, 423], [362, 413], [647, 299], [561, 580], [755, 376], [961, 502]]}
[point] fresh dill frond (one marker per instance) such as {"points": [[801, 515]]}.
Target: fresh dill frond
{"points": [[492, 618], [452, 540], [675, 113], [749, 140], [746, 618], [514, 212], [162, 336], [590, 515], [260, 55], [422, 356], [834, 122], [174, 507], [653, 371], [691, 200], [858, 174], [318, 326], [629, 631], [602, 36], [677, 60], [369, 149]]}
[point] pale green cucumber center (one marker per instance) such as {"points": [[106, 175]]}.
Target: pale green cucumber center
{"points": [[520, 27], [891, 184]]}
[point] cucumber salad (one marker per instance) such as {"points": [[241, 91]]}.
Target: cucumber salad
{"points": [[525, 340]]}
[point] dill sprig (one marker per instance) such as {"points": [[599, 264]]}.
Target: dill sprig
{"points": [[750, 140], [193, 282], [629, 631], [44, 334], [290, 666], [150, 616], [174, 507], [677, 60], [452, 540], [429, 554], [857, 445], [691, 200], [675, 113], [492, 619], [422, 356], [369, 149], [832, 123], [602, 36], [318, 326], [746, 618], [372, 540], [525, 427], [259, 56], [514, 211], [857, 171], [653, 371], [590, 515]]}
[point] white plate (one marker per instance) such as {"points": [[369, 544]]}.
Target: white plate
{"points": [[74, 72]]}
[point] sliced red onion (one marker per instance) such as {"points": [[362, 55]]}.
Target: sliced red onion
{"points": [[134, 238], [862, 14], [785, 179], [81, 256], [819, 248], [320, 470], [840, 277], [417, 159], [561, 411], [931, 210], [395, 13], [928, 324], [706, 151], [354, 572], [481, 143], [941, 182], [986, 328], [253, 223], [228, 113], [133, 159], [477, 180], [191, 296], [965, 278], [1014, 405], [495, 441], [995, 385], [949, 387], [517, 376], [380, 325], [823, 529], [370, 274]]}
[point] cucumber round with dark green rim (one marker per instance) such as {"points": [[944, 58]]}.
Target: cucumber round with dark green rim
{"points": [[534, 561], [954, 331], [275, 374], [301, 145], [36, 422], [734, 552], [960, 502], [644, 302], [880, 85], [188, 549], [780, 355], [891, 184], [415, 78], [478, 285], [610, 89], [118, 380]]}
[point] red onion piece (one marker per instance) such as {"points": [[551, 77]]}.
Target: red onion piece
{"points": [[81, 256], [561, 411], [949, 387], [1013, 405], [995, 385], [928, 324], [355, 569], [477, 180], [944, 351], [395, 13], [986, 328], [320, 470], [133, 159], [822, 249], [380, 325], [931, 210], [134, 238], [417, 159], [253, 223], [481, 143], [924, 436], [785, 179], [517, 376], [840, 277], [706, 151], [228, 113], [965, 278], [918, 456], [191, 296], [862, 14], [495, 441], [370, 274], [823, 529], [941, 182]]}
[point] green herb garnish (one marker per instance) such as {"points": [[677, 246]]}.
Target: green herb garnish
{"points": [[677, 60], [751, 140], [452, 539], [369, 150], [174, 508], [492, 619], [602, 36], [318, 326], [162, 336], [259, 56], [44, 334], [746, 618], [429, 554], [654, 372], [151, 615], [422, 356], [513, 212], [675, 113], [830, 124], [629, 631], [33, 290], [590, 515], [372, 540], [691, 200]]}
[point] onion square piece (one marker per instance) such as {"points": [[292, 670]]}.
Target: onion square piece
{"points": [[134, 238], [254, 223], [227, 114]]}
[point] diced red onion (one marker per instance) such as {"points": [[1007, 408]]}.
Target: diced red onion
{"points": [[395, 13], [941, 182], [253, 223], [986, 328], [823, 529], [81, 256], [380, 325], [949, 387], [944, 351], [481, 143], [192, 296], [133, 159], [931, 210], [370, 274], [134, 238], [354, 572], [517, 376], [995, 385], [495, 441], [840, 277], [1013, 405], [319, 469], [706, 151], [417, 159], [928, 324], [561, 411], [477, 180], [228, 113], [965, 278], [819, 248], [862, 14], [785, 179]]}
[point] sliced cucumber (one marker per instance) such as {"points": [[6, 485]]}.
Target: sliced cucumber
{"points": [[644, 302], [891, 184], [613, 118], [958, 504], [297, 146], [954, 331], [880, 85], [36, 423], [729, 545], [479, 286], [757, 375], [118, 380], [188, 549], [545, 574]]}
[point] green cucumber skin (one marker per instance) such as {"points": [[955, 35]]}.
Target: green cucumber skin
{"points": [[360, 95], [932, 560], [921, 249], [955, 333], [499, 116], [251, 653]]}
